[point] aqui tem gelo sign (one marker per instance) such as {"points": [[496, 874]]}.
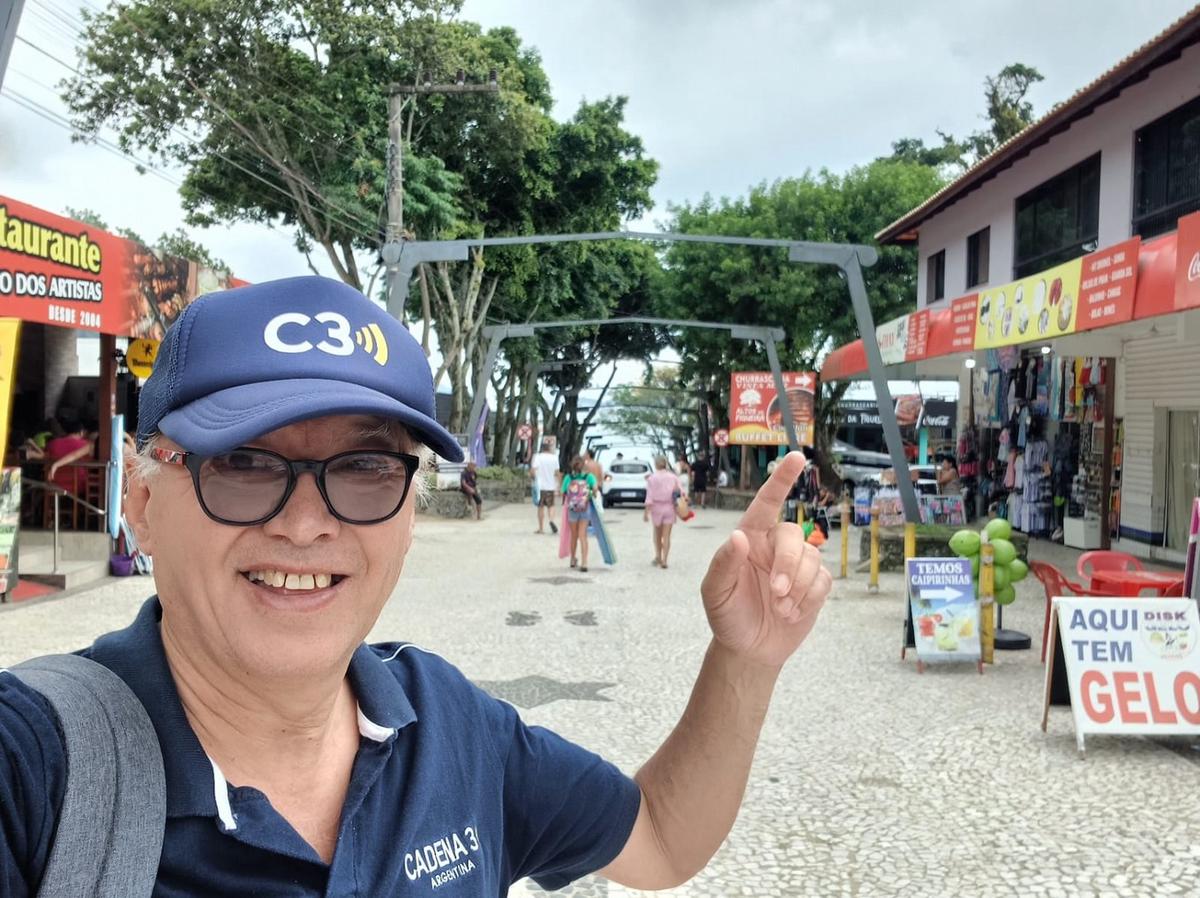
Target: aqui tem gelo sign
{"points": [[1132, 665]]}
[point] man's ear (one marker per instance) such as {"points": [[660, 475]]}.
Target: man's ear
{"points": [[133, 506]]}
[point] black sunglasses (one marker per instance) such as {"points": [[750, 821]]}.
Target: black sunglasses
{"points": [[247, 486]]}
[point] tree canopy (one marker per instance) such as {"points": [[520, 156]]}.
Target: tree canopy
{"points": [[1006, 111], [278, 113]]}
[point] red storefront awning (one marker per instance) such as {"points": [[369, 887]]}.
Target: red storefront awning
{"points": [[1164, 284]]}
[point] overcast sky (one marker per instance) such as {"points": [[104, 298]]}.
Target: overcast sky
{"points": [[724, 94]]}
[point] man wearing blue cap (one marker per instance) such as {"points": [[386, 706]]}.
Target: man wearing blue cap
{"points": [[279, 439]]}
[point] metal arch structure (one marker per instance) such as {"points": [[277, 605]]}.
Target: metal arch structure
{"points": [[404, 256]]}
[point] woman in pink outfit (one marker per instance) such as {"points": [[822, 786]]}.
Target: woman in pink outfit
{"points": [[662, 488]]}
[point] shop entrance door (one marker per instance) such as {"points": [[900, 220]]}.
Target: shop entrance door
{"points": [[1183, 475]]}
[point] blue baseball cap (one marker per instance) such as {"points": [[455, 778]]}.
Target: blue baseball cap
{"points": [[243, 362]]}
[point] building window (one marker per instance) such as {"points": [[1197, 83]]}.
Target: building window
{"points": [[1166, 167], [935, 277], [1058, 220], [979, 247]]}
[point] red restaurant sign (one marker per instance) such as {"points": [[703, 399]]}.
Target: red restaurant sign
{"points": [[54, 270], [1107, 285]]}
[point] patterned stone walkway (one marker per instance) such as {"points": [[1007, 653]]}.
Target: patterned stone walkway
{"points": [[870, 779]]}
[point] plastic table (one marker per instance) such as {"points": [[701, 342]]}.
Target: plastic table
{"points": [[1132, 583]]}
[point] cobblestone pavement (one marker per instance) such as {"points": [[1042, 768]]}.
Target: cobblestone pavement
{"points": [[870, 779]]}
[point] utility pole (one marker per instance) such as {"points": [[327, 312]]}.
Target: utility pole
{"points": [[398, 97]]}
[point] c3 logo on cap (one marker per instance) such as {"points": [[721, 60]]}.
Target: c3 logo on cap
{"points": [[338, 336]]}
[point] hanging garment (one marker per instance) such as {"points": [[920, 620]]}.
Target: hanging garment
{"points": [[1041, 402]]}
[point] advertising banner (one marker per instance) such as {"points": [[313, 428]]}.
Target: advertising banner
{"points": [[917, 347], [1039, 307], [1187, 263], [893, 340], [755, 415], [10, 332], [961, 336], [54, 270], [945, 613], [10, 523], [1107, 286], [1132, 665]]}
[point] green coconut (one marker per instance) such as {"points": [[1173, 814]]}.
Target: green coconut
{"points": [[1017, 570], [1002, 577], [1005, 551], [998, 528], [1006, 596], [965, 543]]}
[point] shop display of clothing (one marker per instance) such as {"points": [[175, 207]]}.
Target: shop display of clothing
{"points": [[1037, 492]]}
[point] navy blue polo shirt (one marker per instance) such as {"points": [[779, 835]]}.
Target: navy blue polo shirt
{"points": [[451, 794]]}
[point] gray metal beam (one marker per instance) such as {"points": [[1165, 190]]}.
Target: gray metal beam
{"points": [[402, 257], [781, 396], [887, 408], [10, 17]]}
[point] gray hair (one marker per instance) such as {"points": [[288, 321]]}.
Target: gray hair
{"points": [[661, 462], [144, 466]]}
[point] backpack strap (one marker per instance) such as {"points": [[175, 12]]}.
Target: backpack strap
{"points": [[110, 830]]}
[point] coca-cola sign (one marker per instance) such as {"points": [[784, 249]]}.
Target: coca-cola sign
{"points": [[1187, 264]]}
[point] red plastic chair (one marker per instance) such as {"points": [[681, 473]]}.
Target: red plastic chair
{"points": [[1105, 560], [1173, 592], [1056, 584]]}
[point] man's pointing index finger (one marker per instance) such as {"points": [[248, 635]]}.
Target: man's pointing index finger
{"points": [[763, 512]]}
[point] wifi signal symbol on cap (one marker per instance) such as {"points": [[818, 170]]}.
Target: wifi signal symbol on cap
{"points": [[371, 339]]}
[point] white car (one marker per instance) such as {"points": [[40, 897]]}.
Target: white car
{"points": [[625, 481]]}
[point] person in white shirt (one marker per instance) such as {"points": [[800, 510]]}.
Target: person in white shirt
{"points": [[544, 471]]}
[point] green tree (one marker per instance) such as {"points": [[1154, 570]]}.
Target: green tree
{"points": [[745, 285], [278, 113], [1006, 111], [659, 412]]}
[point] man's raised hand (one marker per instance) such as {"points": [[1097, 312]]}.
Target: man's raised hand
{"points": [[766, 584]]}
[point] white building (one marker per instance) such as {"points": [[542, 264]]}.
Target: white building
{"points": [[1118, 160]]}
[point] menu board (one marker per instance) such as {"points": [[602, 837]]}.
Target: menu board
{"points": [[1107, 284]]}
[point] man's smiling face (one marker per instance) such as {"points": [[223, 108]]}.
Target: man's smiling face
{"points": [[217, 581]]}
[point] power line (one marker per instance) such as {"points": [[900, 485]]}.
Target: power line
{"points": [[353, 225], [54, 118], [358, 226]]}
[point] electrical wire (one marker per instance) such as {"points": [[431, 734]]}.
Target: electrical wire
{"points": [[352, 221], [54, 118], [355, 225]]}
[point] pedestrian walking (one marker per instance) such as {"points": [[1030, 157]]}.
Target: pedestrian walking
{"points": [[543, 470], [469, 485], [578, 488], [685, 477], [662, 490], [592, 466], [700, 473]]}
